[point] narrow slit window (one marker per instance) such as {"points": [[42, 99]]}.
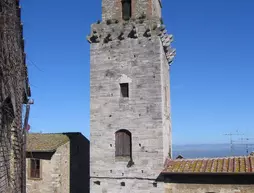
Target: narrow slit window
{"points": [[35, 168], [126, 7], [124, 90]]}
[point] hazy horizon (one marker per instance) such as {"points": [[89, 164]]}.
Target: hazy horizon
{"points": [[210, 150]]}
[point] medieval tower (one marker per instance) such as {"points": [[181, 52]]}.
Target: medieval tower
{"points": [[130, 117]]}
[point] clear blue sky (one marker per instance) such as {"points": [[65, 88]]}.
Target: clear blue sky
{"points": [[212, 76]]}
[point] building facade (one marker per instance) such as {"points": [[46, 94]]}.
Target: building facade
{"points": [[130, 119], [57, 163], [14, 92]]}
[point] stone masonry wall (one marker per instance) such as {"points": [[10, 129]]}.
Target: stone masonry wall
{"points": [[166, 107], [55, 173], [156, 8], [136, 52], [209, 188], [13, 77], [136, 61], [129, 55], [129, 186], [4, 156], [112, 9]]}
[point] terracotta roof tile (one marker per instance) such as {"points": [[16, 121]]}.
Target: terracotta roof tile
{"points": [[247, 162], [203, 167], [191, 166], [186, 167], [177, 166], [209, 165], [220, 165], [198, 166], [214, 165], [233, 165], [252, 163], [225, 165], [236, 165], [182, 164], [242, 165]]}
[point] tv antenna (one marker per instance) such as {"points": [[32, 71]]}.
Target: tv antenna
{"points": [[247, 144], [231, 140]]}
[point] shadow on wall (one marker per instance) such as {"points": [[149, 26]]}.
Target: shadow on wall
{"points": [[79, 163], [40, 155], [240, 179]]}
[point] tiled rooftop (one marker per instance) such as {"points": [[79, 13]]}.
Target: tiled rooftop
{"points": [[37, 142], [227, 165]]}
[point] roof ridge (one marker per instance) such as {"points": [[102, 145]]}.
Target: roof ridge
{"points": [[63, 133], [209, 158]]}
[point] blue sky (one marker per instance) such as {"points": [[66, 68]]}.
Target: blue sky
{"points": [[211, 78]]}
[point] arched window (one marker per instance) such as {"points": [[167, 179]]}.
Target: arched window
{"points": [[126, 9], [123, 143]]}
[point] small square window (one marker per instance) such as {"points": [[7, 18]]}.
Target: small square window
{"points": [[35, 168], [124, 90]]}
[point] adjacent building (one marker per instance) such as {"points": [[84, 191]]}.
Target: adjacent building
{"points": [[14, 91], [57, 163], [213, 175]]}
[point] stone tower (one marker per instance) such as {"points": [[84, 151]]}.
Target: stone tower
{"points": [[130, 117]]}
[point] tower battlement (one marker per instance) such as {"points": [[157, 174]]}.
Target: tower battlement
{"points": [[105, 33]]}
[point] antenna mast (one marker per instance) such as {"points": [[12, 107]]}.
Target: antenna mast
{"points": [[231, 140]]}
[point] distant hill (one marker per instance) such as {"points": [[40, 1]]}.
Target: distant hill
{"points": [[208, 150]]}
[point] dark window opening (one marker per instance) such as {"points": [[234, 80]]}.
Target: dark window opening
{"points": [[123, 143], [1, 7], [97, 182], [124, 90], [35, 168], [126, 7], [8, 111]]}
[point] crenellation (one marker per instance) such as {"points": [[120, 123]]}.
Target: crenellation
{"points": [[103, 33]]}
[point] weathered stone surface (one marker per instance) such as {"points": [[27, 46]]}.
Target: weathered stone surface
{"points": [[129, 52], [112, 9], [131, 185], [13, 77]]}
